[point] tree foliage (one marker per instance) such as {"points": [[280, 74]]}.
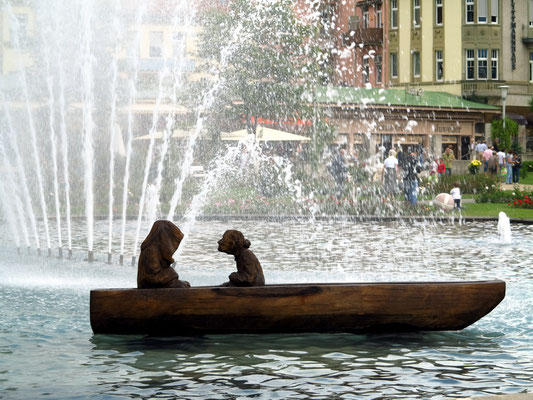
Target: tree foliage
{"points": [[505, 135], [265, 59]]}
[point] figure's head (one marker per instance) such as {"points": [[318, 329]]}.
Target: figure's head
{"points": [[166, 236], [232, 241]]}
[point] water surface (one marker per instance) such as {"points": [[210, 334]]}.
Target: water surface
{"points": [[47, 349]]}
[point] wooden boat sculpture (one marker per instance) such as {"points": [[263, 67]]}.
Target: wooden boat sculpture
{"points": [[336, 307]]}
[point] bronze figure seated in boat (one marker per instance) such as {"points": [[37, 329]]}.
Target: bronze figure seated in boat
{"points": [[154, 268], [249, 271]]}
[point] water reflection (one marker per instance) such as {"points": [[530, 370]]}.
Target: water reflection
{"points": [[304, 365]]}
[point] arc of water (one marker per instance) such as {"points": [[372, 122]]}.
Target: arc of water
{"points": [[10, 213], [183, 17], [87, 109], [12, 204], [53, 140], [222, 165], [64, 148], [113, 125], [132, 89], [21, 172], [33, 134], [149, 156], [207, 102]]}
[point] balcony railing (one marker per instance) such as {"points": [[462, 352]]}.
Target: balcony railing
{"points": [[482, 88], [369, 36]]}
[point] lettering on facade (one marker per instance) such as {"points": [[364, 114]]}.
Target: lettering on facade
{"points": [[513, 36], [447, 128], [414, 91]]}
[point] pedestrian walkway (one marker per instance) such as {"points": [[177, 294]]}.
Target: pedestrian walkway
{"points": [[511, 186], [518, 396]]}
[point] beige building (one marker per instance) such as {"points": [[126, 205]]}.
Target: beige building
{"points": [[15, 49]]}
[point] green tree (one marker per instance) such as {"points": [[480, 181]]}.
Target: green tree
{"points": [[265, 59], [505, 135]]}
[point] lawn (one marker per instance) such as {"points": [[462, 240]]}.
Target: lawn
{"points": [[528, 180], [493, 209]]}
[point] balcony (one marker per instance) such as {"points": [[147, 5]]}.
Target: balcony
{"points": [[482, 88], [366, 36]]}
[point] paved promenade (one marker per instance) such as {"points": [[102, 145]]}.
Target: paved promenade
{"points": [[522, 396]]}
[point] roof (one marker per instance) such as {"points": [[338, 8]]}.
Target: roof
{"points": [[396, 97]]}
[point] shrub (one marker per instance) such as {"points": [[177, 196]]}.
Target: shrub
{"points": [[474, 166], [469, 184], [522, 202]]}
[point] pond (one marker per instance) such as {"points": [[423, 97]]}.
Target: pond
{"points": [[47, 348]]}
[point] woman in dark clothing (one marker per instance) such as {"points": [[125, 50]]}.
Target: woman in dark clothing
{"points": [[517, 163]]}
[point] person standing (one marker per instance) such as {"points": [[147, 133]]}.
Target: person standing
{"points": [[410, 178], [493, 164], [501, 160], [441, 169], [339, 170], [390, 173], [517, 164], [487, 154], [480, 148], [456, 195], [509, 166], [448, 158]]}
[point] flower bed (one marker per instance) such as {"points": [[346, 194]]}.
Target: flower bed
{"points": [[524, 202]]}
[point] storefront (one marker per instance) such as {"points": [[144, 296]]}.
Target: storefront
{"points": [[429, 121]]}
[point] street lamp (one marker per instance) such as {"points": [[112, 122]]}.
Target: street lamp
{"points": [[504, 89]]}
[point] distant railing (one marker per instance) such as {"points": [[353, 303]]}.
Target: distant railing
{"points": [[481, 86]]}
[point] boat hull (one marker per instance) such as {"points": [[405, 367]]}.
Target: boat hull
{"points": [[343, 307]]}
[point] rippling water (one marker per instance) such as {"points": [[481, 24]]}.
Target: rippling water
{"points": [[47, 349]]}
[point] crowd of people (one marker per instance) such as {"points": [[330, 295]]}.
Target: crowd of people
{"points": [[399, 170], [499, 161]]}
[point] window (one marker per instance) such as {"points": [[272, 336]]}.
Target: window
{"points": [[494, 10], [439, 66], [416, 64], [531, 67], [327, 20], [482, 64], [156, 44], [366, 18], [416, 13], [394, 14], [494, 64], [18, 32], [438, 12], [379, 20], [469, 64], [366, 69], [394, 65], [379, 68], [482, 8], [178, 44], [469, 12]]}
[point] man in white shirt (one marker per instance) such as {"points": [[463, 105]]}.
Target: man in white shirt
{"points": [[480, 148], [390, 173], [501, 159]]}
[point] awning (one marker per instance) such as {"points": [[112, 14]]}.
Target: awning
{"points": [[177, 133], [520, 119], [265, 135]]}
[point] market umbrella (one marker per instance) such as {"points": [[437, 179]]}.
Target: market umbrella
{"points": [[265, 134]]}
